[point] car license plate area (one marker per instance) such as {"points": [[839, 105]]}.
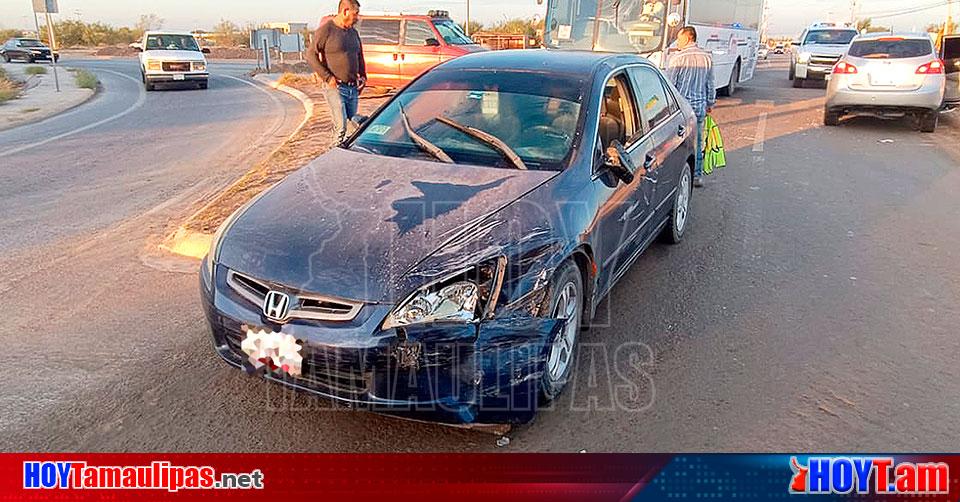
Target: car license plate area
{"points": [[179, 76], [271, 351], [883, 78]]}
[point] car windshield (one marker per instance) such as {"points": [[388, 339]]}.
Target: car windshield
{"points": [[633, 26], [172, 43], [452, 33], [836, 37], [31, 43], [893, 48], [534, 114]]}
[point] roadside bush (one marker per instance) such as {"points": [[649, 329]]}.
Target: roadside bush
{"points": [[9, 88], [36, 70], [86, 79]]}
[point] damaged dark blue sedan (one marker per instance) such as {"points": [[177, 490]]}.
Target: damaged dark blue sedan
{"points": [[441, 263]]}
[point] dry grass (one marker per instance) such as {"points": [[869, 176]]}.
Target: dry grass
{"points": [[9, 88], [36, 70], [86, 79], [295, 79]]}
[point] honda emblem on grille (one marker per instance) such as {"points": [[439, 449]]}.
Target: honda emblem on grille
{"points": [[276, 306]]}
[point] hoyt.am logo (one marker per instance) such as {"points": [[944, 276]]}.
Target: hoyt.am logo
{"points": [[868, 475]]}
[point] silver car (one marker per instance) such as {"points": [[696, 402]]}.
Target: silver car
{"points": [[887, 75]]}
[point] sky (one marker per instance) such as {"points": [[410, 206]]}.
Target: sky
{"points": [[787, 17]]}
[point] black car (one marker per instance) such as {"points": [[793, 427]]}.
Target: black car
{"points": [[441, 263], [27, 49]]}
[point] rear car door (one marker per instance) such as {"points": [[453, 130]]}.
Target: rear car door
{"points": [[667, 130], [381, 50], [420, 50], [950, 53]]}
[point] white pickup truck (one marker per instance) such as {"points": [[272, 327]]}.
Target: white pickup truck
{"points": [[169, 57]]}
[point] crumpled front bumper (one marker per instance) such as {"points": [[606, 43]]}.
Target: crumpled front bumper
{"points": [[485, 373]]}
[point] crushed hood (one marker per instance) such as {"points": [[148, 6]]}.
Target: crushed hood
{"points": [[351, 225]]}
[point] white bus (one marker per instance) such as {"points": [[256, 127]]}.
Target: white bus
{"points": [[727, 28]]}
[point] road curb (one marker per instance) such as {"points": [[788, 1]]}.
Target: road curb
{"points": [[49, 115], [194, 244]]}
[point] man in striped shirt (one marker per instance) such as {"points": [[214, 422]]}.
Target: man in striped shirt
{"points": [[691, 71]]}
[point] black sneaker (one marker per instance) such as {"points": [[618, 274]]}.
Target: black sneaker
{"points": [[698, 182]]}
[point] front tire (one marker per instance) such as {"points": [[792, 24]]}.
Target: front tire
{"points": [[680, 213], [566, 302], [929, 121], [203, 84], [793, 73], [6, 58], [148, 85], [798, 83]]}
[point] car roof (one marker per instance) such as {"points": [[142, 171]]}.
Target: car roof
{"points": [[184, 33], [548, 60], [905, 36]]}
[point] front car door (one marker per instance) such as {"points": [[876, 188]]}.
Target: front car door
{"points": [[381, 50], [667, 131], [950, 53], [420, 50], [624, 207]]}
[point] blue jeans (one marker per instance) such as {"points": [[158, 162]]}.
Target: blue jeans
{"points": [[343, 107], [698, 169]]}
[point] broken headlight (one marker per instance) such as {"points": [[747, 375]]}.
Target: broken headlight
{"points": [[466, 296]]}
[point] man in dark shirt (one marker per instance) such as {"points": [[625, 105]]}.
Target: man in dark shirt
{"points": [[336, 56]]}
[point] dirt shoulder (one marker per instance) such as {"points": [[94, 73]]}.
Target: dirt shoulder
{"points": [[315, 138], [38, 97]]}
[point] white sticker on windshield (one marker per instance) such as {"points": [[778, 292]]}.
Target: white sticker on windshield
{"points": [[378, 129], [564, 32], [491, 103]]}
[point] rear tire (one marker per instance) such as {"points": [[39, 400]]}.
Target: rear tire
{"points": [[149, 86], [831, 118], [30, 60], [6, 58], [929, 121], [680, 213], [566, 287], [734, 80], [793, 73], [203, 85]]}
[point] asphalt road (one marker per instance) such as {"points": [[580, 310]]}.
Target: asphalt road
{"points": [[812, 306]]}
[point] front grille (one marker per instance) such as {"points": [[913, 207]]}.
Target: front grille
{"points": [[303, 305], [824, 60], [323, 370], [176, 66]]}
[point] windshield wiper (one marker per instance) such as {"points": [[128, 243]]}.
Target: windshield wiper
{"points": [[488, 139], [421, 141]]}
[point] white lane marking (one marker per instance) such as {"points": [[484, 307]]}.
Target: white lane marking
{"points": [[760, 137], [140, 100]]}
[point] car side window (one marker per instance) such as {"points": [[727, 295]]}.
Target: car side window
{"points": [[619, 119], [379, 31], [655, 101], [417, 33]]}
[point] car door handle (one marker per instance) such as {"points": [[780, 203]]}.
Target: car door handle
{"points": [[682, 130], [649, 162]]}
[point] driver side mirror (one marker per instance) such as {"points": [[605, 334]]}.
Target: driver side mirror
{"points": [[432, 42], [618, 161], [205, 50]]}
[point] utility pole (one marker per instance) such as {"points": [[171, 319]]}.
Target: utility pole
{"points": [[53, 50], [467, 25]]}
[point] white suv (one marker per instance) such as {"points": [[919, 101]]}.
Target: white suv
{"points": [[172, 57], [818, 50]]}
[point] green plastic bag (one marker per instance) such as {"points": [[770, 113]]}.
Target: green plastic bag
{"points": [[714, 156]]}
